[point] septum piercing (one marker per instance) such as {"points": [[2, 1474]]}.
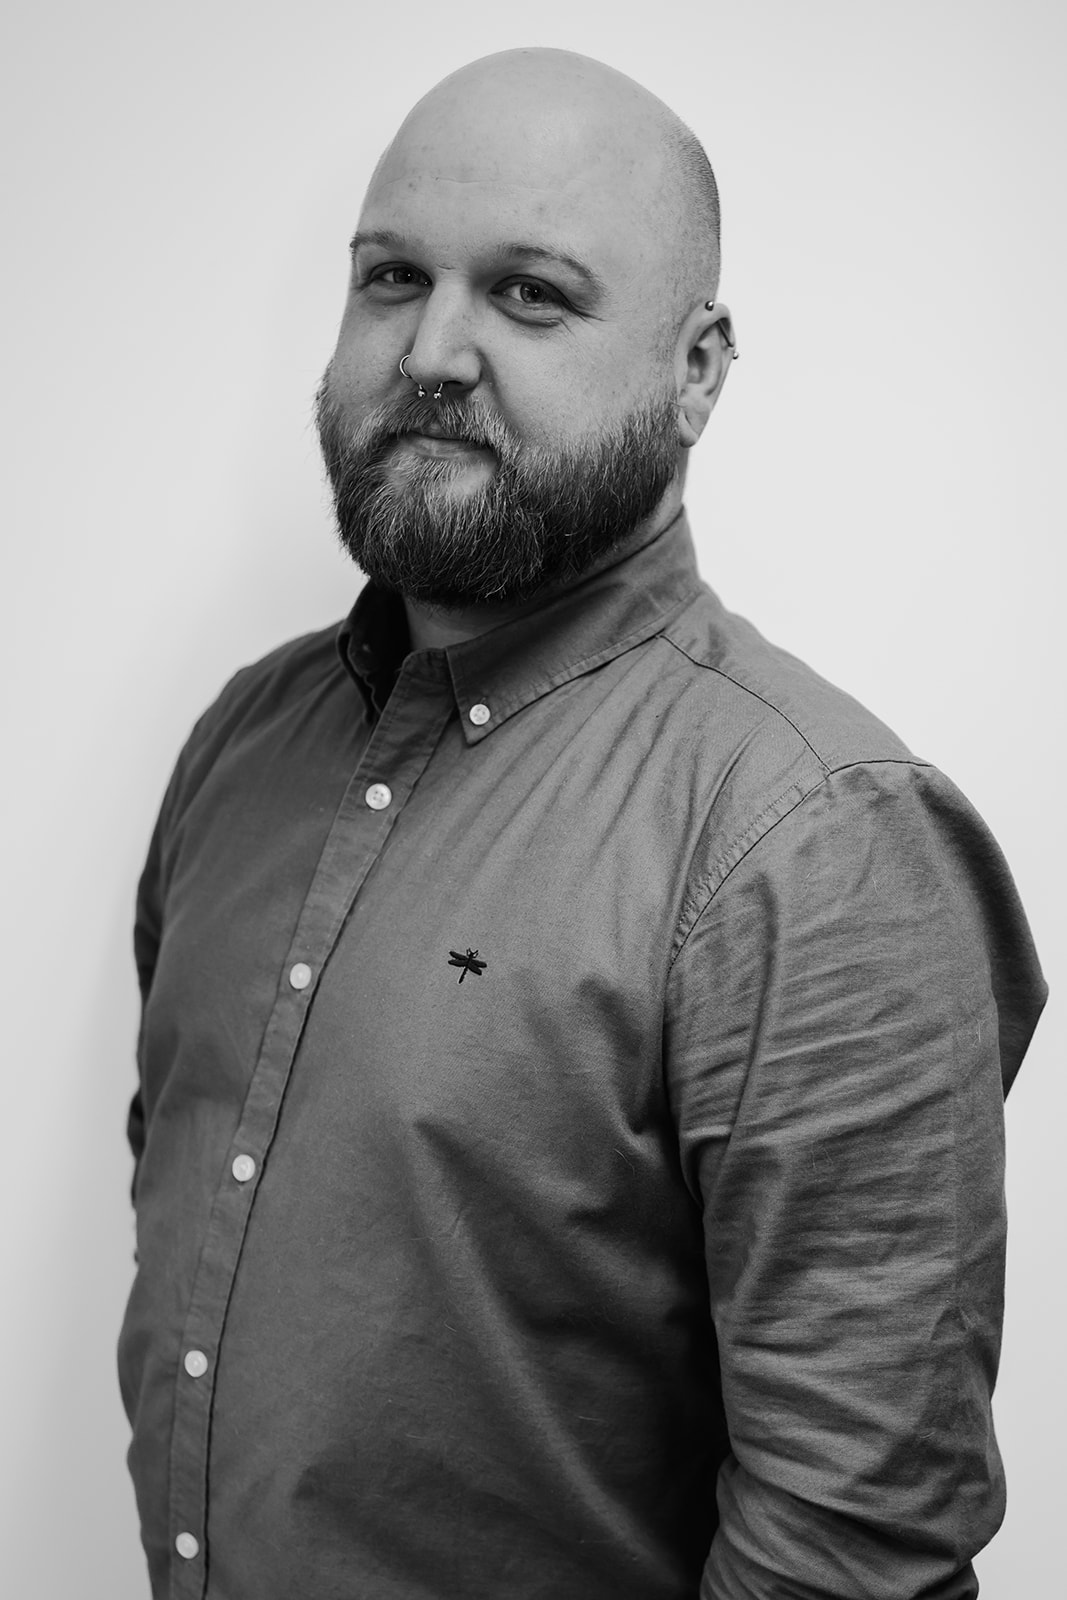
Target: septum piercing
{"points": [[421, 391]]}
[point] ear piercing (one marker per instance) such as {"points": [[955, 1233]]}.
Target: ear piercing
{"points": [[709, 305]]}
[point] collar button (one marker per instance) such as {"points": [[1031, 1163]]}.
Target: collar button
{"points": [[479, 714]]}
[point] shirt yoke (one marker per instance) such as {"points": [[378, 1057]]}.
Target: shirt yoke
{"points": [[773, 734], [783, 690]]}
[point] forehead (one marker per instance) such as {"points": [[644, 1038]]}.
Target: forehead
{"points": [[458, 190]]}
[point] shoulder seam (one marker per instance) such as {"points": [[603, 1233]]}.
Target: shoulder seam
{"points": [[745, 689], [755, 834]]}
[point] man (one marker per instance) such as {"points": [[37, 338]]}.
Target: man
{"points": [[569, 1137]]}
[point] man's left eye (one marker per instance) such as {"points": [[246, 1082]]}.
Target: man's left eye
{"points": [[528, 292]]}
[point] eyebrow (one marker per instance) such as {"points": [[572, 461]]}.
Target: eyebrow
{"points": [[389, 240]]}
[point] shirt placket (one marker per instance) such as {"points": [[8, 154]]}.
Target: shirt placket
{"points": [[398, 752]]}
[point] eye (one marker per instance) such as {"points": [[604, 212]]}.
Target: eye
{"points": [[530, 294], [399, 277]]}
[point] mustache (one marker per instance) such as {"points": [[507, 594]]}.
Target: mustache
{"points": [[470, 420]]}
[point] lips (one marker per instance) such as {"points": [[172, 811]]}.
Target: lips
{"points": [[442, 444], [435, 430]]}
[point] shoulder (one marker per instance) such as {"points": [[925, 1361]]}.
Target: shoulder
{"points": [[822, 818], [772, 695], [259, 700], [759, 737], [819, 815], [278, 682]]}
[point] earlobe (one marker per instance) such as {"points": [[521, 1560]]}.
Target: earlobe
{"points": [[689, 430]]}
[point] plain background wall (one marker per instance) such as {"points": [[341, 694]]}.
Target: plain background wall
{"points": [[880, 489]]}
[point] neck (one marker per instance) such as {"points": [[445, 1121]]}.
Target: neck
{"points": [[437, 627]]}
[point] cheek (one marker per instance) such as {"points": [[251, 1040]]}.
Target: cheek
{"points": [[579, 387], [550, 402], [364, 367], [360, 381]]}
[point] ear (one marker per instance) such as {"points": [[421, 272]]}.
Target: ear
{"points": [[706, 350]]}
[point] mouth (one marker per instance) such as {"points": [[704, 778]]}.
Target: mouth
{"points": [[433, 440], [433, 429]]}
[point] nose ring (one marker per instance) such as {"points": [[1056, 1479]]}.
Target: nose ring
{"points": [[421, 391]]}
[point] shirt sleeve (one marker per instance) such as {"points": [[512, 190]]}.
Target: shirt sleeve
{"points": [[147, 929], [206, 738], [148, 915], [843, 1018]]}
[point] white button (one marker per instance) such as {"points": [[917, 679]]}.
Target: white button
{"points": [[479, 714], [300, 975], [378, 796], [195, 1363], [243, 1168], [187, 1546]]}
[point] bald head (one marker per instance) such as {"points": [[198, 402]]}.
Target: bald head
{"points": [[537, 247], [582, 141]]}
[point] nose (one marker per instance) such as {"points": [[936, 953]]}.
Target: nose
{"points": [[445, 353]]}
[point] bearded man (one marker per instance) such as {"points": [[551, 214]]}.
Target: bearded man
{"points": [[569, 1137]]}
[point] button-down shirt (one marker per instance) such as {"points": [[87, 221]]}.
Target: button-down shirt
{"points": [[569, 1134]]}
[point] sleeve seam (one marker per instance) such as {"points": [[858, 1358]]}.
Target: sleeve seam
{"points": [[762, 833]]}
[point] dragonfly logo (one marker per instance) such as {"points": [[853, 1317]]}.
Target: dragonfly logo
{"points": [[469, 963]]}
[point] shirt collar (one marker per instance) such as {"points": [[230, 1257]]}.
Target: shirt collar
{"points": [[502, 671]]}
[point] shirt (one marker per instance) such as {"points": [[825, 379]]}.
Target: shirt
{"points": [[569, 1140]]}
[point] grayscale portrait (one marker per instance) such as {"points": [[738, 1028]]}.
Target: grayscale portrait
{"points": [[535, 584]]}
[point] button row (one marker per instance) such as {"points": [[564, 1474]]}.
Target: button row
{"points": [[195, 1362], [378, 797]]}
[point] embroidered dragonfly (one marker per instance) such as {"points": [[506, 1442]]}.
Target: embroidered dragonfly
{"points": [[469, 963]]}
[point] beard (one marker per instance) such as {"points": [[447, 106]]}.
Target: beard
{"points": [[542, 518]]}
